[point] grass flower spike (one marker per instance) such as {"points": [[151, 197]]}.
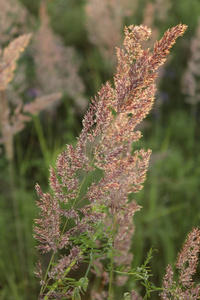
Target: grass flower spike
{"points": [[94, 223], [186, 265]]}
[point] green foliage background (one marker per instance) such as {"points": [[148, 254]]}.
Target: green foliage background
{"points": [[170, 198]]}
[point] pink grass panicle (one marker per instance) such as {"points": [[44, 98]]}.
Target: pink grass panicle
{"points": [[109, 132], [186, 264]]}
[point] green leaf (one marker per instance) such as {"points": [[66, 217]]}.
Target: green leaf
{"points": [[96, 269], [127, 296], [69, 279], [76, 294], [84, 283]]}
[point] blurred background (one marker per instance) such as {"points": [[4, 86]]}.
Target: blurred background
{"points": [[72, 52]]}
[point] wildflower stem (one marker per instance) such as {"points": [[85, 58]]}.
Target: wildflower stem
{"points": [[8, 143], [41, 138], [45, 277], [18, 227], [112, 261]]}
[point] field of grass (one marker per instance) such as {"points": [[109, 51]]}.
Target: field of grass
{"points": [[170, 197]]}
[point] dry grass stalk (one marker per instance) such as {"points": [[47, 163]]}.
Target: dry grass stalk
{"points": [[56, 65], [13, 121], [105, 14], [162, 8], [9, 57], [13, 19], [9, 127], [190, 80]]}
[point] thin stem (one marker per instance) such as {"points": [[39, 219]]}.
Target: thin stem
{"points": [[112, 261], [42, 140], [111, 278], [18, 227], [45, 277], [8, 144]]}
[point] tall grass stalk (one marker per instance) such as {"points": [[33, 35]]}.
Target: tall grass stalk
{"points": [[76, 220]]}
